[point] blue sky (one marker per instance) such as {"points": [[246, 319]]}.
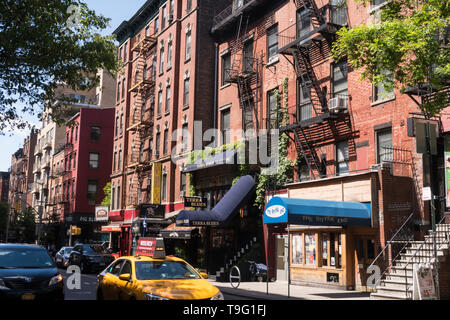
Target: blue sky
{"points": [[118, 11]]}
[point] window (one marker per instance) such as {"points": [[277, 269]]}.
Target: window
{"points": [[117, 126], [120, 158], [339, 81], [115, 160], [147, 31], [125, 52], [92, 192], [342, 162], [164, 187], [158, 138], [304, 101], [324, 249], [310, 249], [248, 56], [172, 8], [73, 189], [121, 123], [123, 88], [226, 65], [189, 5], [168, 97], [186, 92], [272, 42], [225, 121], [156, 24], [68, 190], [182, 183], [95, 133], [141, 152], [272, 110], [297, 249], [187, 55], [185, 135], [160, 98], [93, 160], [384, 145], [113, 194], [169, 55], [247, 118], [166, 141], [164, 18], [77, 98], [335, 249], [74, 160], [303, 22], [118, 197], [161, 59], [381, 93]]}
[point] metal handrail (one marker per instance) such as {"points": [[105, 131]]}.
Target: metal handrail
{"points": [[388, 245], [431, 257]]}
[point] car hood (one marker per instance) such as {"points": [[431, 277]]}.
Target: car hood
{"points": [[34, 274], [186, 289]]}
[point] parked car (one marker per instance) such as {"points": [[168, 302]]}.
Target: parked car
{"points": [[62, 257], [27, 272], [90, 257]]}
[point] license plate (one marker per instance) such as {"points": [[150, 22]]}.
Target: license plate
{"points": [[28, 296]]}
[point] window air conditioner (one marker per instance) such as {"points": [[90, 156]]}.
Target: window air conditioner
{"points": [[337, 104]]}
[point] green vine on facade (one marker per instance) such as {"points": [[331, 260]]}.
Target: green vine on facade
{"points": [[285, 169]]}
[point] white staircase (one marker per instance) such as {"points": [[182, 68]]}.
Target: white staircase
{"points": [[230, 263], [398, 282]]}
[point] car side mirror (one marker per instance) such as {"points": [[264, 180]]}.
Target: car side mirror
{"points": [[125, 277], [204, 275]]}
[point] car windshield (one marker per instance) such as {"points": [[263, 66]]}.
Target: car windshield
{"points": [[93, 249], [67, 250], [160, 270], [18, 258]]}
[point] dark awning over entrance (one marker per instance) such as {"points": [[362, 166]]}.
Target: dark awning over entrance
{"points": [[174, 232], [317, 212], [227, 157], [223, 211]]}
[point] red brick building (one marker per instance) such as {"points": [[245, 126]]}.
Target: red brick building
{"points": [[166, 84], [351, 141], [82, 170], [4, 186]]}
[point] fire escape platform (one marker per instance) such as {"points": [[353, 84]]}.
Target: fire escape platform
{"points": [[312, 121]]}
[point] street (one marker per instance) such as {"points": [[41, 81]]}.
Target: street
{"points": [[89, 286]]}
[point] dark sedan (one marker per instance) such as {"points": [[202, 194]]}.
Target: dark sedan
{"points": [[27, 272], [90, 257]]}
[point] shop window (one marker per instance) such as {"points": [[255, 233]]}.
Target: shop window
{"points": [[324, 249], [310, 248], [297, 249], [339, 251], [332, 250]]}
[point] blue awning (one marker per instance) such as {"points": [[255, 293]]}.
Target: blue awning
{"points": [[226, 157], [317, 212], [231, 202]]}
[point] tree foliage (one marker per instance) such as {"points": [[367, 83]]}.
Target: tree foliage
{"points": [[410, 40], [44, 44], [25, 226], [107, 191]]}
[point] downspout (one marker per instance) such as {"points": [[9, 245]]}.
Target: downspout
{"points": [[216, 74]]}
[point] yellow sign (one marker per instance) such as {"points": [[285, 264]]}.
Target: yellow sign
{"points": [[18, 206], [75, 230], [156, 183]]}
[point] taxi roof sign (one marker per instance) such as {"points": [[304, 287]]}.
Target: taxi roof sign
{"points": [[152, 247]]}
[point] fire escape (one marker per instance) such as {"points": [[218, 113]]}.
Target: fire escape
{"points": [[308, 42], [142, 114]]}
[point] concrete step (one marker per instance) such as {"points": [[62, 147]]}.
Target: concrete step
{"points": [[393, 284]]}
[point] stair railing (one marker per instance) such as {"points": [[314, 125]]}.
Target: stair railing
{"points": [[394, 247], [425, 254]]}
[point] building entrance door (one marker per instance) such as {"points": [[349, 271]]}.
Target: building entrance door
{"points": [[364, 255], [282, 257]]}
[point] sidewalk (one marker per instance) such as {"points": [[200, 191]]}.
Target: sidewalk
{"points": [[278, 290]]}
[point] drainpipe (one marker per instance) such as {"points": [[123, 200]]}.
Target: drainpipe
{"points": [[216, 65]]}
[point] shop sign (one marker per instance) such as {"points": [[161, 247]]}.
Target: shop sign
{"points": [[426, 193], [423, 288], [275, 211], [156, 182], [111, 228], [195, 202], [101, 213], [151, 211]]}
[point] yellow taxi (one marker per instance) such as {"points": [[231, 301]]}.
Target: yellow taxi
{"points": [[147, 277]]}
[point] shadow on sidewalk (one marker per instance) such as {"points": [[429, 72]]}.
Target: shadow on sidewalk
{"points": [[255, 295], [348, 295]]}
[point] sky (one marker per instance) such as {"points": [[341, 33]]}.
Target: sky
{"points": [[118, 11]]}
